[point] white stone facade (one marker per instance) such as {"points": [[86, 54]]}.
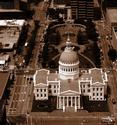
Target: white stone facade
{"points": [[67, 85], [70, 97]]}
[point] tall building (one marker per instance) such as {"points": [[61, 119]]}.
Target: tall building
{"points": [[13, 9], [110, 3], [85, 9], [80, 9], [10, 4]]}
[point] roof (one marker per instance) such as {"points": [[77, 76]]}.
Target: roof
{"points": [[96, 75], [112, 14], [69, 56], [52, 77], [9, 32], [10, 10], [69, 84], [8, 36], [4, 76], [13, 22], [2, 62], [4, 57], [85, 76], [41, 76]]}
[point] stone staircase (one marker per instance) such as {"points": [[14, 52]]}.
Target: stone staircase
{"points": [[69, 109]]}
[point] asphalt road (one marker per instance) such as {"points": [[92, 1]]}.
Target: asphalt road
{"points": [[20, 97], [78, 120], [103, 44]]}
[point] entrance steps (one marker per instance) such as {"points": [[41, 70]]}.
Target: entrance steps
{"points": [[69, 109]]}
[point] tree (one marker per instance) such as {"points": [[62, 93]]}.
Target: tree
{"points": [[96, 52], [112, 53], [92, 34], [52, 64], [45, 53], [97, 13], [82, 38]]}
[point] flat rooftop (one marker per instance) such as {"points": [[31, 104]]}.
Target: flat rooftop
{"points": [[4, 76], [115, 31], [8, 37], [9, 32], [10, 10], [112, 14]]}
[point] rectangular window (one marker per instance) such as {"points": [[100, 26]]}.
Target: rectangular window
{"points": [[88, 85], [41, 95], [50, 91], [54, 86], [54, 91], [97, 94], [93, 94], [84, 90], [97, 89], [37, 95], [88, 90], [40, 90], [100, 89], [100, 94], [44, 90], [83, 86], [44, 95], [93, 89], [37, 90]]}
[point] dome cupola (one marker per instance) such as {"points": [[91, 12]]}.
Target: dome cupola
{"points": [[69, 56], [68, 62]]}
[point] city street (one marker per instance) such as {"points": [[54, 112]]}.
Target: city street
{"points": [[65, 119], [103, 43], [22, 96], [40, 15]]}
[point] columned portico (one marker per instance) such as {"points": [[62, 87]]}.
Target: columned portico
{"points": [[68, 101]]}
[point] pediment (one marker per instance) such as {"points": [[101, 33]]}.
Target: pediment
{"points": [[97, 84], [69, 93], [41, 85]]}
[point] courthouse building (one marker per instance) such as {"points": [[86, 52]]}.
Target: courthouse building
{"points": [[69, 84]]}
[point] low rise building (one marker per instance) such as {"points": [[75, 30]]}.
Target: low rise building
{"points": [[111, 16], [114, 37], [4, 78], [112, 25], [4, 58], [70, 84], [9, 33]]}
